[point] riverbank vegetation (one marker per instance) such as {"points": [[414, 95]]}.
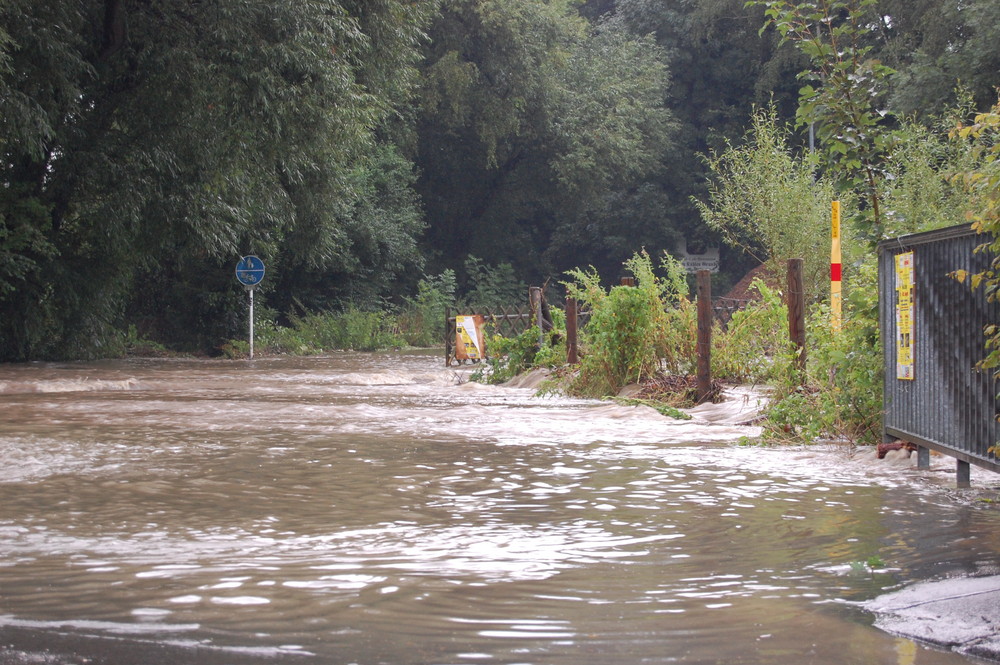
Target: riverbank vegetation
{"points": [[363, 148], [770, 200], [390, 159], [645, 333]]}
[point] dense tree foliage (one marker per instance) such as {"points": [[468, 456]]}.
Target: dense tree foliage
{"points": [[149, 145], [764, 199], [983, 137], [843, 96], [358, 145], [721, 67], [531, 120], [935, 45]]}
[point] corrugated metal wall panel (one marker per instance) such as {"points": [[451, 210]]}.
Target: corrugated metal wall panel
{"points": [[950, 405]]}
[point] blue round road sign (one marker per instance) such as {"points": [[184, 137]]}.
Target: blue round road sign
{"points": [[250, 270]]}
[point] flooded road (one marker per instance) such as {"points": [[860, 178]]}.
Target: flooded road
{"points": [[379, 508]]}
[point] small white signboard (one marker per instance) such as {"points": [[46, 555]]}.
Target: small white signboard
{"points": [[698, 260]]}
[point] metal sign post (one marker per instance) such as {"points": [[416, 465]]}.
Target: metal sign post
{"points": [[251, 322], [249, 272]]}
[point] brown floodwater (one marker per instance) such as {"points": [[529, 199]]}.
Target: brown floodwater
{"points": [[380, 508]]}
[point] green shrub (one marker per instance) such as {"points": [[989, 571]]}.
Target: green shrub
{"points": [[318, 332], [629, 329], [922, 194], [367, 331], [754, 347], [235, 349], [492, 287], [421, 322], [134, 344], [509, 356], [678, 341], [842, 395]]}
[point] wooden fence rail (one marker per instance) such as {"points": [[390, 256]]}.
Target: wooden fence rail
{"points": [[511, 321], [504, 321]]}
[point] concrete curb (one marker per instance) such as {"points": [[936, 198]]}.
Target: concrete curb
{"points": [[962, 614]]}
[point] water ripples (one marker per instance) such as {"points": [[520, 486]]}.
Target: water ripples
{"points": [[396, 514]]}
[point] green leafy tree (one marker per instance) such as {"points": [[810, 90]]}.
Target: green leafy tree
{"points": [[610, 131], [984, 182], [146, 147], [768, 202], [378, 222], [845, 99], [935, 45], [720, 68], [529, 121]]}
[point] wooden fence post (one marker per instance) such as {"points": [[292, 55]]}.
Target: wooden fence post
{"points": [[572, 356], [704, 278], [535, 299], [447, 337], [795, 300]]}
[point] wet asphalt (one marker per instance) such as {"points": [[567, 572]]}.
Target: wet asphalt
{"points": [[962, 614]]}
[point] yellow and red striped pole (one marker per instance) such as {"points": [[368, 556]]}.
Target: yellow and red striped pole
{"points": [[835, 268]]}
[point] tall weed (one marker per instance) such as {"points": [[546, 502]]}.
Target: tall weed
{"points": [[842, 395], [754, 347], [511, 356], [421, 322], [628, 331], [768, 201], [317, 332]]}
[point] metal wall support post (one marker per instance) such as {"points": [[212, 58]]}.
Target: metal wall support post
{"points": [[963, 477], [923, 457]]}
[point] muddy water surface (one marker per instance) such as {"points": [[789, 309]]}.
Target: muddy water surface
{"points": [[381, 509]]}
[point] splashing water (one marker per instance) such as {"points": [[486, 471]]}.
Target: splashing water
{"points": [[382, 509]]}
